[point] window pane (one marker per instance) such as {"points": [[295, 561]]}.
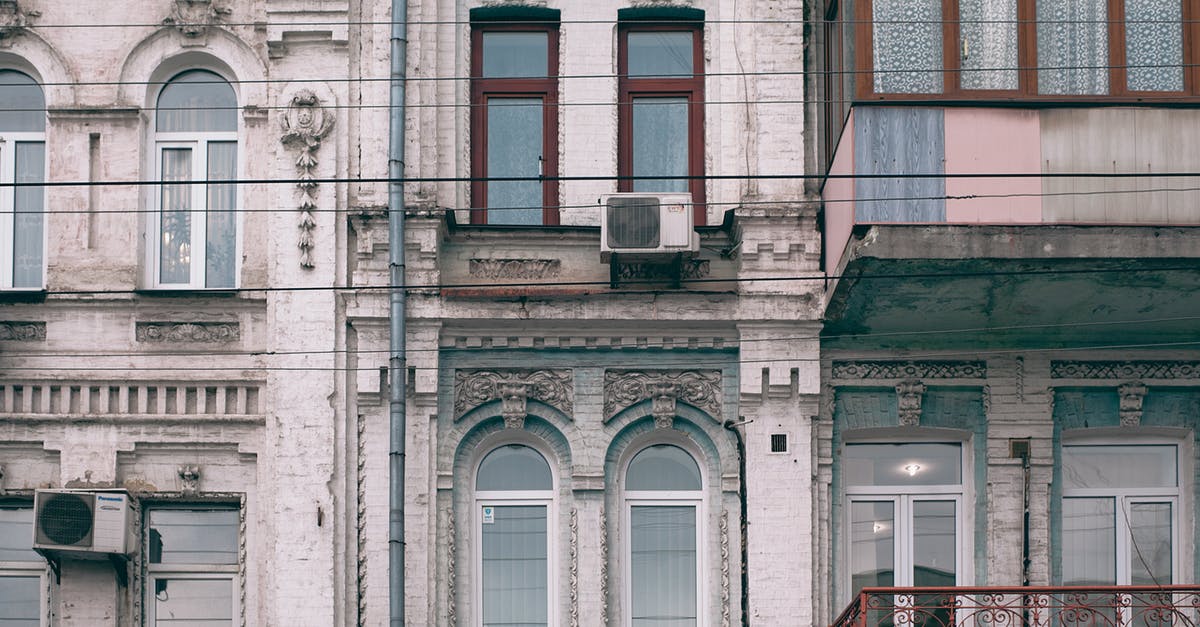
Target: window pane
{"points": [[663, 467], [662, 54], [660, 144], [513, 55], [16, 536], [907, 46], [20, 601], [903, 464], [29, 216], [935, 547], [222, 202], [193, 602], [662, 541], [193, 536], [1072, 46], [22, 104], [1119, 466], [1154, 45], [989, 43], [1150, 528], [514, 149], [197, 101], [1089, 542], [514, 467], [872, 544], [175, 248], [515, 588]]}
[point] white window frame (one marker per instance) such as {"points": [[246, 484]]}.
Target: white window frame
{"points": [[197, 143], [677, 498], [155, 572], [902, 498], [1124, 497], [8, 171], [503, 498], [31, 569]]}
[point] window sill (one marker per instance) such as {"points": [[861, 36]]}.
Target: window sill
{"points": [[23, 295], [187, 292]]}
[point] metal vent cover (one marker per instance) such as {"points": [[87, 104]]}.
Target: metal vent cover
{"points": [[633, 222], [65, 519]]}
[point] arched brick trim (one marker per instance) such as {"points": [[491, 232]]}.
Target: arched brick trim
{"points": [[713, 439], [159, 57], [31, 54]]}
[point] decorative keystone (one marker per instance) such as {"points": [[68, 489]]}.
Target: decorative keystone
{"points": [[908, 396], [189, 480], [1132, 394]]}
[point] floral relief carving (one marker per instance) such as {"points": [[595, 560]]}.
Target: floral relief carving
{"points": [[909, 370], [451, 586], [13, 21], [1129, 370], [908, 397], [16, 331], [573, 528], [512, 388], [205, 332], [699, 388], [603, 568], [514, 268], [305, 123], [1132, 394], [192, 18]]}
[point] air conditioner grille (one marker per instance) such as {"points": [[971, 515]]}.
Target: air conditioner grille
{"points": [[633, 222], [65, 519]]}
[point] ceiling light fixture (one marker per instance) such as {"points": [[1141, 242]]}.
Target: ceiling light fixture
{"points": [[912, 469]]}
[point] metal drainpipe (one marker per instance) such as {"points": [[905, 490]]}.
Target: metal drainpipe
{"points": [[743, 520], [398, 362]]}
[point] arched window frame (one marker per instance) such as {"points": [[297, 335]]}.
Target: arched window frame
{"points": [[547, 498], [198, 142], [9, 141], [633, 498]]}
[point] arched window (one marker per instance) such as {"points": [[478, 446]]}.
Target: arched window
{"points": [[22, 161], [195, 242], [514, 494], [663, 505]]}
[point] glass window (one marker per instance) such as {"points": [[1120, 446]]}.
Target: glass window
{"points": [[662, 499], [988, 44], [196, 122], [23, 163], [1154, 45], [22, 576], [905, 504], [907, 46], [1072, 47], [192, 566], [514, 124], [514, 494], [661, 110], [1119, 514]]}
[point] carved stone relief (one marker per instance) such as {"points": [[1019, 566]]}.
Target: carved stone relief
{"points": [[512, 388], [691, 269], [725, 610], [514, 268], [573, 579], [204, 332], [1132, 394], [699, 388], [451, 575], [909, 370], [189, 480], [13, 21], [18, 331], [603, 568], [1129, 370], [908, 396], [192, 18], [305, 124]]}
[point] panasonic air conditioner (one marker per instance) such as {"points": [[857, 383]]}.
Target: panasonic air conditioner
{"points": [[82, 523], [645, 226]]}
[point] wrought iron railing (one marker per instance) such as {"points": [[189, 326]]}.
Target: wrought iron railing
{"points": [[1099, 606]]}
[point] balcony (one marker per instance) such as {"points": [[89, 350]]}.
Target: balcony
{"points": [[1070, 606]]}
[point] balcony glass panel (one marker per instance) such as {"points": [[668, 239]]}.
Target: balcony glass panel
{"points": [[1154, 45], [872, 544], [907, 46], [989, 44], [1089, 542], [1072, 47], [1150, 528]]}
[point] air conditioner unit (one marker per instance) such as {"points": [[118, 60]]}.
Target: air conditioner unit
{"points": [[83, 523], [641, 225]]}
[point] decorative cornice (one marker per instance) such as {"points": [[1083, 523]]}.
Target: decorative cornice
{"points": [[192, 18], [909, 370], [1131, 394], [1135, 370], [514, 268], [699, 388], [473, 388], [202, 332], [305, 123], [908, 401], [21, 331]]}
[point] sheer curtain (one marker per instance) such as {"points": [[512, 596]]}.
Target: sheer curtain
{"points": [[907, 46], [1072, 47], [988, 46]]}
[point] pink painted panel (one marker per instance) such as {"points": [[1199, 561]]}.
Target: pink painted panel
{"points": [[838, 195], [993, 140]]}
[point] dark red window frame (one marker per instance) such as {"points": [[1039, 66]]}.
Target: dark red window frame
{"points": [[1027, 64], [693, 88], [544, 88]]}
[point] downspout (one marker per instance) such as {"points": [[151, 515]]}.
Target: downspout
{"points": [[744, 519], [398, 360]]}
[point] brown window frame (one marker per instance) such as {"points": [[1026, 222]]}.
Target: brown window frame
{"points": [[484, 88], [1027, 64], [693, 88]]}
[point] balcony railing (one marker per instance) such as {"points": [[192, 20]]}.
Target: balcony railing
{"points": [[1100, 606]]}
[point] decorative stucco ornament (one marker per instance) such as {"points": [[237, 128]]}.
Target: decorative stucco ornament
{"points": [[13, 21], [512, 404], [908, 397], [663, 388], [1132, 394], [305, 124], [192, 18], [189, 479], [664, 394], [513, 388]]}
